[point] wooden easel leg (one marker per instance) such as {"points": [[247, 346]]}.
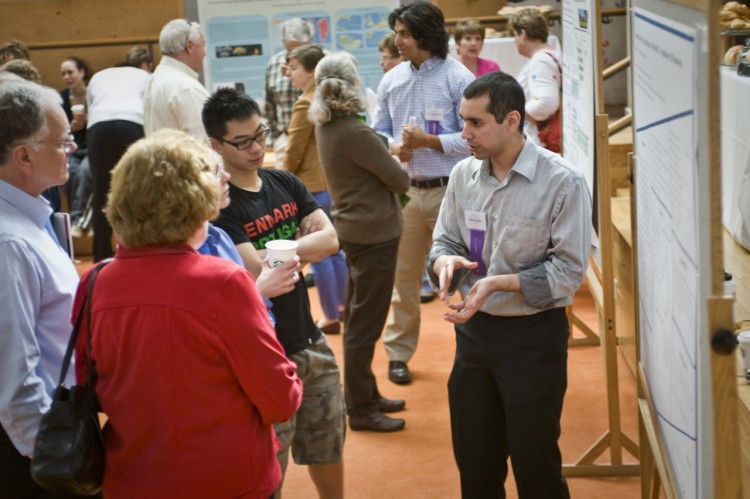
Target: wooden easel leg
{"points": [[585, 465], [590, 337], [655, 489], [614, 439]]}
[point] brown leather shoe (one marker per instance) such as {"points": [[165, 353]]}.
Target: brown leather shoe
{"points": [[388, 405], [329, 327], [377, 421]]}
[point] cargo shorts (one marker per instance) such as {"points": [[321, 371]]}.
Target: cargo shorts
{"points": [[315, 434]]}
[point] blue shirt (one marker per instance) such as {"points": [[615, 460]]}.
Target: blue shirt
{"points": [[218, 243], [435, 88], [36, 301]]}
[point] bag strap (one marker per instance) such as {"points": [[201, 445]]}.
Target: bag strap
{"points": [[559, 88], [74, 335], [559, 68]]}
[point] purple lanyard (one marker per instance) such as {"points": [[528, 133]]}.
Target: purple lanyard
{"points": [[476, 245]]}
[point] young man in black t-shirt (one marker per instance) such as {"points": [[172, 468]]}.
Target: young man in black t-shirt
{"points": [[267, 205]]}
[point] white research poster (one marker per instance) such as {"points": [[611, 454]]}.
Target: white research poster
{"points": [[578, 86], [665, 55], [242, 35]]}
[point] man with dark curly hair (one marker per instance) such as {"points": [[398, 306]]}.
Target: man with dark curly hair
{"points": [[428, 89]]}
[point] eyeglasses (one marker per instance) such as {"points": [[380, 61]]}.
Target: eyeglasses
{"points": [[219, 172], [68, 143], [248, 142]]}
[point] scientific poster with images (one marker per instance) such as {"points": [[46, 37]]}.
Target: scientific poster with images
{"points": [[242, 35], [579, 91], [358, 31]]}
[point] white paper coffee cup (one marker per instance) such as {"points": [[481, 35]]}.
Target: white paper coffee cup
{"points": [[281, 250], [744, 341], [77, 108]]}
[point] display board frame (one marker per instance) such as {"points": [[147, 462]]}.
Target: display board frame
{"points": [[687, 391]]}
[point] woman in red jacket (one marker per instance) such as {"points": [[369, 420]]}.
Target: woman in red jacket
{"points": [[190, 374]]}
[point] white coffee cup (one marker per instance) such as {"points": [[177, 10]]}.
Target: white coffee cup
{"points": [[77, 108], [744, 341], [281, 250]]}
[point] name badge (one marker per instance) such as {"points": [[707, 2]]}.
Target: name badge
{"points": [[476, 222], [433, 117]]}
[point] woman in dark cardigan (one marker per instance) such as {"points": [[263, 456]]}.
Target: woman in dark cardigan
{"points": [[364, 181]]}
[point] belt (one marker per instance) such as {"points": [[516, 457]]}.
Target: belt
{"points": [[429, 183]]}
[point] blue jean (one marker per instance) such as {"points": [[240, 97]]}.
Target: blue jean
{"points": [[330, 272]]}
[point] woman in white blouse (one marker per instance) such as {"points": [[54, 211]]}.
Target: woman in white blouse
{"points": [[540, 78]]}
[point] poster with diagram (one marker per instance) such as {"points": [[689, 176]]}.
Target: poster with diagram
{"points": [[242, 35]]}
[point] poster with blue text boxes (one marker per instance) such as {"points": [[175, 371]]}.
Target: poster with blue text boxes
{"points": [[238, 50], [318, 21], [359, 31]]}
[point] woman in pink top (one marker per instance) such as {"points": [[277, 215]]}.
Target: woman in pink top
{"points": [[469, 36]]}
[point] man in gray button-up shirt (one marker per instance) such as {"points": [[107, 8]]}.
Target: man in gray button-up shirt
{"points": [[513, 234]]}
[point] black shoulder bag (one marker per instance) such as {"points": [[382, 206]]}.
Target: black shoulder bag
{"points": [[69, 448]]}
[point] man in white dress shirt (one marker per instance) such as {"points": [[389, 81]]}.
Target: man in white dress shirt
{"points": [[175, 97]]}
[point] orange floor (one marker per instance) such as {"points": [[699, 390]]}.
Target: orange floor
{"points": [[418, 462]]}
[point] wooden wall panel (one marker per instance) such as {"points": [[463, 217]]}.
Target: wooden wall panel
{"points": [[39, 22], [469, 8]]}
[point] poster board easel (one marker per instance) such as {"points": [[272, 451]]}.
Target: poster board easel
{"points": [[693, 451], [613, 439], [600, 278]]}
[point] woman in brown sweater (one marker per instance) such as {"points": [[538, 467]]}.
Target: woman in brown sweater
{"points": [[364, 181], [301, 158]]}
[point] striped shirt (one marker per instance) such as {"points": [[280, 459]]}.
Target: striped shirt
{"points": [[437, 86]]}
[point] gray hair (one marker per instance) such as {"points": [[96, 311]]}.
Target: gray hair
{"points": [[175, 35], [6, 75], [23, 112], [296, 30], [337, 93], [136, 56]]}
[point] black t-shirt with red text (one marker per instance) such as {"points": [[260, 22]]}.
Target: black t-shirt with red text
{"points": [[275, 212]]}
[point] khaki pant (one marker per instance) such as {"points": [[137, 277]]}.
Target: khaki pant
{"points": [[420, 216]]}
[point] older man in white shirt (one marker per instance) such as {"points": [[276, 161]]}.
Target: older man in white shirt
{"points": [[175, 97]]}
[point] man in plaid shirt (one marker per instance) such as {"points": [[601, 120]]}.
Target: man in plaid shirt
{"points": [[280, 94]]}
